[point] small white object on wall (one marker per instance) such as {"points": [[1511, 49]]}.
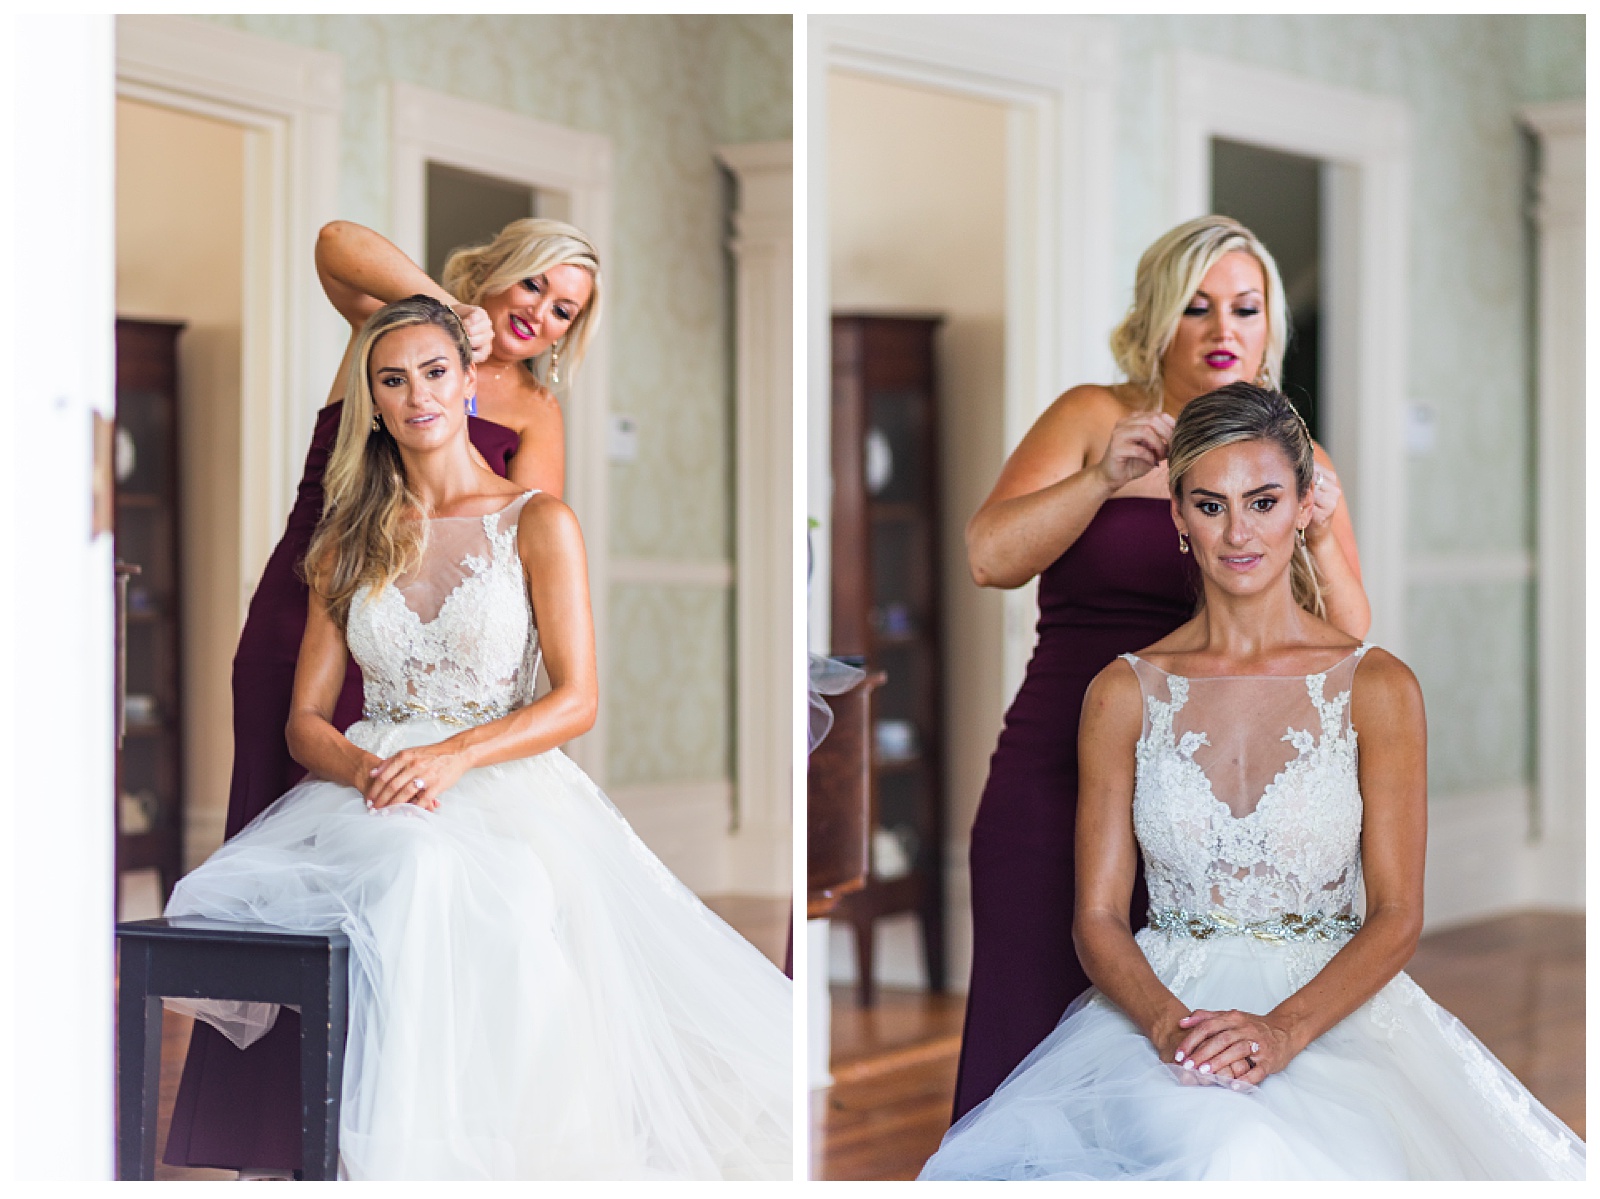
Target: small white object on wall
{"points": [[1422, 429], [622, 440]]}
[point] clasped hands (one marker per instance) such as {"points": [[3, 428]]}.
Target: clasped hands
{"points": [[1231, 1046], [416, 776]]}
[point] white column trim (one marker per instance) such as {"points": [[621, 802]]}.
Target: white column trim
{"points": [[1562, 488], [427, 126], [1438, 570], [1366, 141], [671, 572], [766, 682], [288, 100]]}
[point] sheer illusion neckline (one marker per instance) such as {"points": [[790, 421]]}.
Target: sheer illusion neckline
{"points": [[1218, 678], [499, 512]]}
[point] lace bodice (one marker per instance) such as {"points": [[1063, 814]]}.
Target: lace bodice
{"points": [[1246, 799], [454, 639]]}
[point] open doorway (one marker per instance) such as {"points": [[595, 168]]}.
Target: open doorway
{"points": [[466, 208], [1278, 196], [180, 258], [909, 237]]}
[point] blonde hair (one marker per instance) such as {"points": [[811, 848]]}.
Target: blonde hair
{"points": [[363, 538], [1169, 274], [1245, 412], [525, 248]]}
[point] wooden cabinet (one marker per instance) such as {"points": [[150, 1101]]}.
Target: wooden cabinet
{"points": [[885, 608], [149, 770]]}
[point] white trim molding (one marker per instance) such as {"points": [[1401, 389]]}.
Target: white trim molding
{"points": [[288, 100], [1483, 863], [1364, 142], [1563, 490], [766, 674], [1056, 76], [686, 826], [58, 731], [1441, 570], [427, 126], [671, 572]]}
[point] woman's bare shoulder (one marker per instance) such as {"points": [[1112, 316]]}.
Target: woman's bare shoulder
{"points": [[1381, 679], [546, 523], [1095, 404], [1114, 692]]}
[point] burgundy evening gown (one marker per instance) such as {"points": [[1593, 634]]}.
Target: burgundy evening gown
{"points": [[1121, 586], [240, 1109]]}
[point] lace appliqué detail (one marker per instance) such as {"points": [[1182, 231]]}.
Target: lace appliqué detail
{"points": [[1297, 851], [479, 654]]}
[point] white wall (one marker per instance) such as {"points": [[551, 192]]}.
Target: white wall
{"points": [[917, 211], [180, 229]]}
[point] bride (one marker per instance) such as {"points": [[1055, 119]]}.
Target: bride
{"points": [[532, 993], [1260, 1027]]}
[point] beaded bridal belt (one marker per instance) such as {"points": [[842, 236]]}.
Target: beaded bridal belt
{"points": [[466, 715], [1278, 931]]}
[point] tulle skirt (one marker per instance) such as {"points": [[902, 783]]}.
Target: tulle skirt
{"points": [[533, 995], [1398, 1090]]}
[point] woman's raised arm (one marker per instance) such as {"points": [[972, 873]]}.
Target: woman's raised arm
{"points": [[1054, 483]]}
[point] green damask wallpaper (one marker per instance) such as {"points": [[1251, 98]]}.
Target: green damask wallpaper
{"points": [[666, 90], [1468, 305]]}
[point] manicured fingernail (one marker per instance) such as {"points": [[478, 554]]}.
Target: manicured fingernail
{"points": [[1206, 1069], [1180, 1056], [1189, 1065]]}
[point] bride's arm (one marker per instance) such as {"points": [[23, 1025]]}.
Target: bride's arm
{"points": [[551, 546], [319, 673], [1107, 857], [1386, 710]]}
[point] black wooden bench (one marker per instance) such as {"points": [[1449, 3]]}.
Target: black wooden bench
{"points": [[194, 958]]}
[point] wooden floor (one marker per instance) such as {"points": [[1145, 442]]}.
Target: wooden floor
{"points": [[1517, 982], [763, 922]]}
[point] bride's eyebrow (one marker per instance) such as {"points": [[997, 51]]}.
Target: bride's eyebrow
{"points": [[1253, 491]]}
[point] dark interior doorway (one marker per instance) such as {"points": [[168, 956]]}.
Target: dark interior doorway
{"points": [[1279, 197]]}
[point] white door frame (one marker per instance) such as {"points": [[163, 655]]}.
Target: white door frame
{"points": [[1365, 143], [57, 727], [288, 101], [1558, 878], [427, 126], [1055, 76]]}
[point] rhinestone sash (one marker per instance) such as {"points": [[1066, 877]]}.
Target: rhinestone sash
{"points": [[465, 715], [1280, 930]]}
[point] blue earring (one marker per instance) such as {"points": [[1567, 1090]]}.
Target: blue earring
{"points": [[472, 404]]}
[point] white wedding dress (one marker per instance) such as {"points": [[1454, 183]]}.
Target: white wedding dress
{"points": [[532, 993], [1248, 813]]}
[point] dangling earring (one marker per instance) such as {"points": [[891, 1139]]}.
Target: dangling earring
{"points": [[1300, 538], [555, 364], [472, 404], [377, 422], [1183, 542]]}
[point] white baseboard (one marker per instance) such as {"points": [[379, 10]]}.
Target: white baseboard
{"points": [[1481, 862], [686, 826]]}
